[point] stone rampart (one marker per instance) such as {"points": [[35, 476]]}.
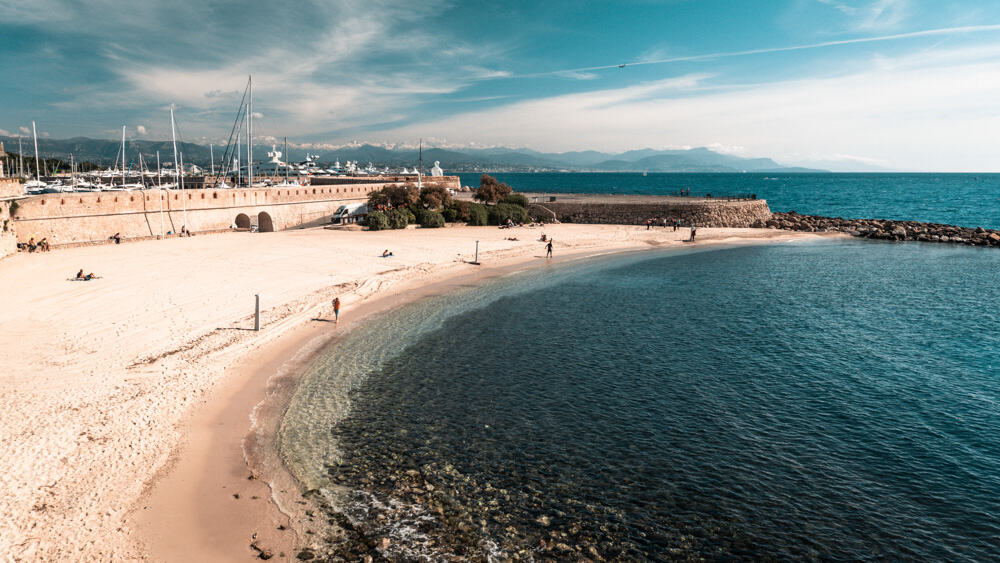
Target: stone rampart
{"points": [[699, 212], [80, 217]]}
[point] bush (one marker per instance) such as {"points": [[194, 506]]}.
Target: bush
{"points": [[516, 199], [432, 220], [450, 214], [398, 219], [501, 212], [410, 217], [477, 215], [377, 221], [13, 208]]}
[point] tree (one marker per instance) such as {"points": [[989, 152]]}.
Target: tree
{"points": [[490, 190], [394, 196], [434, 196]]}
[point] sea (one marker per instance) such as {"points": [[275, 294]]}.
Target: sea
{"points": [[821, 400]]}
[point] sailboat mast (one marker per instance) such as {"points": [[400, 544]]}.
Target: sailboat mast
{"points": [[211, 156], [35, 135], [20, 157], [123, 156], [183, 199], [286, 160], [173, 132], [159, 177], [250, 134]]}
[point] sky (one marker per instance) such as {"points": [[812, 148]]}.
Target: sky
{"points": [[838, 84]]}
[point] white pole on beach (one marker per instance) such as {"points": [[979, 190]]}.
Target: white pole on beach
{"points": [[256, 312], [476, 261]]}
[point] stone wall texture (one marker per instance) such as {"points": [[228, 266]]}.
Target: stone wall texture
{"points": [[91, 217], [702, 213]]}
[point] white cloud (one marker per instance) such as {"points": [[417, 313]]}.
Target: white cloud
{"points": [[5, 132], [24, 130], [141, 129], [919, 117]]}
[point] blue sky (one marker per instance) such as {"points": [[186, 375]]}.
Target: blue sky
{"points": [[842, 84]]}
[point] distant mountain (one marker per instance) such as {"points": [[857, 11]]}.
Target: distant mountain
{"points": [[499, 159]]}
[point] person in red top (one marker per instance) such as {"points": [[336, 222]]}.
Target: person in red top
{"points": [[336, 309]]}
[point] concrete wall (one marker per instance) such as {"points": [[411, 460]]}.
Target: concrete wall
{"points": [[703, 213], [88, 217]]}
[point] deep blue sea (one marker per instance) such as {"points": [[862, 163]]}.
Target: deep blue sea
{"points": [[835, 400], [967, 200]]}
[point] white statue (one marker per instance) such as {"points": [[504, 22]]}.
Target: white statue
{"points": [[436, 171]]}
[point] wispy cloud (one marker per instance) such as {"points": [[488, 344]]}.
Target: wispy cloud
{"points": [[991, 28], [916, 116], [872, 15]]}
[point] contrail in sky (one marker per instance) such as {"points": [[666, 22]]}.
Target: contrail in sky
{"points": [[709, 56]]}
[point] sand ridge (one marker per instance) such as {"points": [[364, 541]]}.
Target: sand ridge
{"points": [[98, 377]]}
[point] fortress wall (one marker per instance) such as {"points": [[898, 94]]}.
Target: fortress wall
{"points": [[89, 217], [703, 213], [9, 190]]}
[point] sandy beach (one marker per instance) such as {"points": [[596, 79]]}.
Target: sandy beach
{"points": [[128, 397]]}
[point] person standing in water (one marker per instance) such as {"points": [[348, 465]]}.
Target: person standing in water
{"points": [[336, 309]]}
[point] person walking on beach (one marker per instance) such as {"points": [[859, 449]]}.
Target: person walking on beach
{"points": [[694, 231], [336, 309], [648, 223], [548, 249]]}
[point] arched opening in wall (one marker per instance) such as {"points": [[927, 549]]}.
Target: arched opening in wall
{"points": [[264, 223], [242, 221]]}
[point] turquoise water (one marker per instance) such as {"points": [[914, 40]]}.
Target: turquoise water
{"points": [[833, 400], [968, 200]]}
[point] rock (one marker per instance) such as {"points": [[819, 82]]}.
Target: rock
{"points": [[306, 555], [544, 520]]}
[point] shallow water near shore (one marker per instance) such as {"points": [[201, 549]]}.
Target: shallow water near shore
{"points": [[803, 400]]}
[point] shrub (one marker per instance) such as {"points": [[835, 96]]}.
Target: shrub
{"points": [[516, 199], [432, 220], [501, 212], [377, 221], [450, 214], [13, 208], [410, 217], [490, 191], [477, 215], [398, 219], [394, 196]]}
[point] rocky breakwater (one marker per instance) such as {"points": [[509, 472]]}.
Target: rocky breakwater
{"points": [[883, 229]]}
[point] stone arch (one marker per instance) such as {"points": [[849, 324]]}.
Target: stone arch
{"points": [[242, 221], [264, 223]]}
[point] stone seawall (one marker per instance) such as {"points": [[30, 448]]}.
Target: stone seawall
{"points": [[88, 217], [636, 211], [885, 229]]}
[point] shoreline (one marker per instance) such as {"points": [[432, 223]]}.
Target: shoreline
{"points": [[257, 475], [107, 379]]}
